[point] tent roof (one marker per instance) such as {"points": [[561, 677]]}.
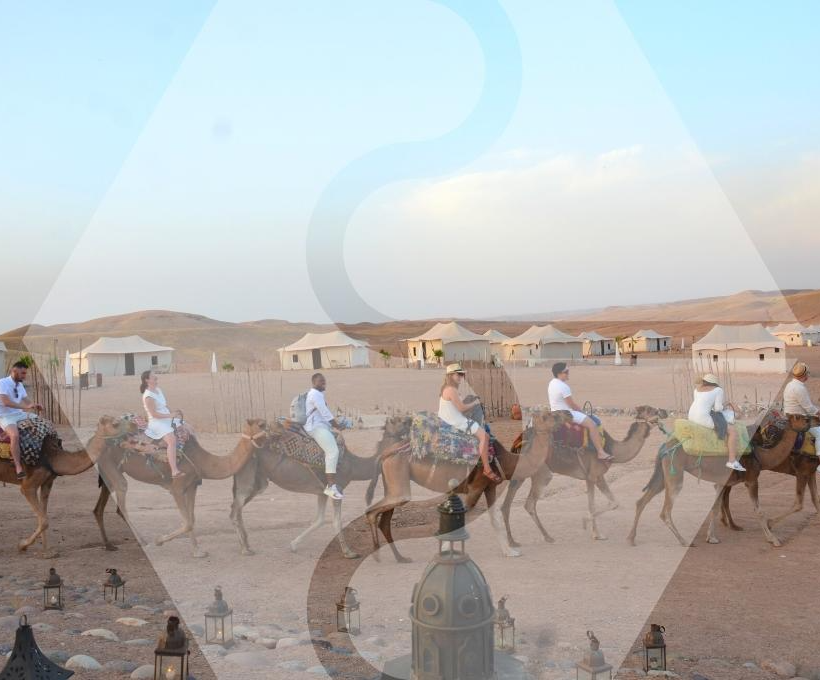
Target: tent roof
{"points": [[132, 344], [448, 332], [495, 336], [752, 336], [788, 328], [2, 346], [593, 336], [542, 334], [649, 334], [320, 340]]}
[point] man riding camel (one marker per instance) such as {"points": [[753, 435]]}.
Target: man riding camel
{"points": [[560, 396], [318, 425], [13, 406], [797, 401]]}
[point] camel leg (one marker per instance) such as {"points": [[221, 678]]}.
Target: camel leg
{"points": [[396, 480], [99, 515], [761, 516], [245, 488], [797, 506], [590, 520], [538, 487], [813, 492], [386, 529], [711, 537], [515, 484], [318, 521], [190, 503], [492, 508], [186, 527], [45, 492], [337, 527], [672, 484], [654, 487], [29, 490], [601, 483], [726, 511]]}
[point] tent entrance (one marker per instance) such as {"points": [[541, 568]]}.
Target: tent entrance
{"points": [[129, 364], [317, 358]]}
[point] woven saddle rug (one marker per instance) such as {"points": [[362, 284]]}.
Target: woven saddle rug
{"points": [[33, 432], [771, 432], [294, 442], [142, 443], [703, 441], [431, 437]]}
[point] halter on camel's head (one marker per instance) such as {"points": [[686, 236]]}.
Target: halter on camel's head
{"points": [[800, 423], [112, 428], [256, 430]]}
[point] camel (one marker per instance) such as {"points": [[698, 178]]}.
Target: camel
{"points": [[117, 461], [799, 465], [398, 470], [272, 465], [56, 462], [672, 461], [583, 465]]}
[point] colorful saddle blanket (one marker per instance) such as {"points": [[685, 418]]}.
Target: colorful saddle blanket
{"points": [[431, 437], [771, 432], [33, 432], [575, 436], [296, 443], [703, 441], [143, 443]]}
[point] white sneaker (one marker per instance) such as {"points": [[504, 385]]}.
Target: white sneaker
{"points": [[735, 465], [333, 491]]}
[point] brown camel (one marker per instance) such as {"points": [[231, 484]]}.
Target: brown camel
{"points": [[56, 462], [271, 464], [802, 466], [581, 464], [672, 461], [118, 461], [399, 469]]}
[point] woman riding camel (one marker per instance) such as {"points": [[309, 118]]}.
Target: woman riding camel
{"points": [[710, 410], [161, 422], [451, 410]]}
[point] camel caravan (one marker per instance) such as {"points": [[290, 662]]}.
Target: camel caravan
{"points": [[306, 453]]}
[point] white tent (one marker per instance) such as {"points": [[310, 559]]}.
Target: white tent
{"points": [[647, 341], [69, 373], [214, 369], [746, 349], [2, 357], [324, 350], [793, 334], [596, 344], [496, 340], [543, 342], [457, 343], [122, 356]]}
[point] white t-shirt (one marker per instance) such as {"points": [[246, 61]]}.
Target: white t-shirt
{"points": [[318, 414], [558, 391], [796, 399], [7, 386]]}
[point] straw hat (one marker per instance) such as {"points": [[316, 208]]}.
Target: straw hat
{"points": [[454, 368], [800, 369], [710, 379]]}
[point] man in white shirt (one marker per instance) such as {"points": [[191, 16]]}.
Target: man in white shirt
{"points": [[560, 396], [797, 401], [318, 425], [14, 403]]}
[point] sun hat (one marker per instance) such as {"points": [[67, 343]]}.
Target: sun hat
{"points": [[799, 369], [454, 368], [710, 379]]}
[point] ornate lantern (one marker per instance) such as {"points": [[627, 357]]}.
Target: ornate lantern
{"points": [[593, 666], [53, 590], [171, 654], [654, 649], [27, 661], [219, 621], [348, 616], [504, 628], [114, 587]]}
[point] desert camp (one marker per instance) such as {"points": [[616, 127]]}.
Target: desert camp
{"points": [[746, 349], [324, 350], [542, 343], [130, 355], [447, 342]]}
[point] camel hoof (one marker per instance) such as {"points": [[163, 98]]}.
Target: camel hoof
{"points": [[735, 527], [294, 546], [514, 544], [548, 539], [110, 547], [614, 506], [350, 555], [600, 537], [247, 552], [631, 541], [512, 552], [22, 546], [776, 542], [714, 540], [158, 541], [199, 554], [401, 559]]}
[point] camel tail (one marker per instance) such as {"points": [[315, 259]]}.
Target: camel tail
{"points": [[657, 473], [371, 488]]}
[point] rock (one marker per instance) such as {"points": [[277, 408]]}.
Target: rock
{"points": [[287, 642], [120, 666], [782, 668], [197, 629], [42, 627], [101, 633], [698, 676], [267, 643], [663, 674], [245, 632], [82, 662], [143, 673], [292, 665], [213, 650], [58, 656], [131, 621], [9, 622], [140, 642], [251, 659]]}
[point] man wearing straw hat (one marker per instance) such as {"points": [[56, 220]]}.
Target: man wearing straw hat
{"points": [[796, 400]]}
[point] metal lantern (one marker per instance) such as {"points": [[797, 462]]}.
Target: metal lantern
{"points": [[593, 666], [348, 616], [27, 661], [654, 649], [171, 654], [114, 587], [53, 590], [219, 621], [504, 627]]}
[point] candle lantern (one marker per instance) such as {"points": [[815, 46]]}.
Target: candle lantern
{"points": [[171, 654], [504, 627], [219, 621], [593, 666], [654, 647], [348, 616], [27, 661], [53, 590], [114, 587]]}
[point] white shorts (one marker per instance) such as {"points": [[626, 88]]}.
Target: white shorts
{"points": [[578, 417], [12, 419], [159, 428]]}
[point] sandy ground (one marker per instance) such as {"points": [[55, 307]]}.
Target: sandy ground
{"points": [[723, 605]]}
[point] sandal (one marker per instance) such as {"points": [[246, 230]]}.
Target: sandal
{"points": [[491, 476], [607, 459]]}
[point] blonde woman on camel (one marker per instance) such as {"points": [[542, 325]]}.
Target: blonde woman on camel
{"points": [[707, 403], [160, 419], [451, 410]]}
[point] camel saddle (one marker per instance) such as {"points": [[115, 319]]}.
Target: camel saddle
{"points": [[431, 437], [295, 443], [569, 436], [142, 443], [703, 441], [771, 431], [33, 432]]}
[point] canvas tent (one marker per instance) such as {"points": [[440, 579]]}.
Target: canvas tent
{"points": [[496, 340], [746, 349], [457, 343], [793, 334], [814, 335], [122, 356], [324, 350], [596, 344], [647, 341], [2, 357], [543, 342]]}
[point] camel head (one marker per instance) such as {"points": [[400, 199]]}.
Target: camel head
{"points": [[801, 423], [109, 427], [256, 430], [650, 414], [397, 427]]}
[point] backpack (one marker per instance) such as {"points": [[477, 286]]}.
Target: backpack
{"points": [[298, 409]]}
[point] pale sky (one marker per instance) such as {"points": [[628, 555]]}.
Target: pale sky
{"points": [[570, 155]]}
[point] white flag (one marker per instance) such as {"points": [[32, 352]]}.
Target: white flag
{"points": [[213, 362]]}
